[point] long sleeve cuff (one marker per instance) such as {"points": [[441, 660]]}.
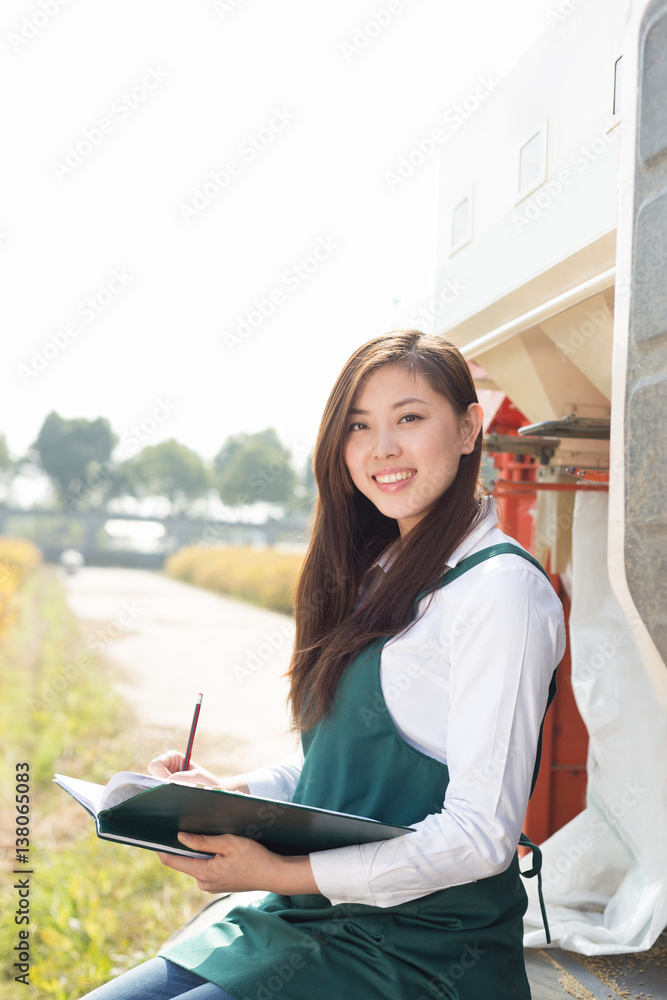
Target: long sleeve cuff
{"points": [[340, 875]]}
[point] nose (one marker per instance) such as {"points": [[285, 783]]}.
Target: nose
{"points": [[385, 444]]}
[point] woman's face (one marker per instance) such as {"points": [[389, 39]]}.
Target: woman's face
{"points": [[404, 442]]}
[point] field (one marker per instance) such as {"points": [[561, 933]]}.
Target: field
{"points": [[95, 909], [262, 576]]}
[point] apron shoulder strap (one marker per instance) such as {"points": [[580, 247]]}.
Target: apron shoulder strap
{"points": [[492, 550], [478, 557]]}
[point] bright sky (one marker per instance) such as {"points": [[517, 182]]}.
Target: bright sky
{"points": [[117, 111]]}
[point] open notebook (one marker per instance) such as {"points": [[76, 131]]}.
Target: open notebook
{"points": [[148, 812]]}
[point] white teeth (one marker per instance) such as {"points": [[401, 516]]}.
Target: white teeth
{"points": [[394, 477]]}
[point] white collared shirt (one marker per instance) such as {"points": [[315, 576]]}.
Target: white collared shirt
{"points": [[467, 684]]}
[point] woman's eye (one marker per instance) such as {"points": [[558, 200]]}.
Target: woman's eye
{"points": [[356, 425], [410, 417]]}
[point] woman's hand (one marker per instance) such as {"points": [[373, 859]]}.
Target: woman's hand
{"points": [[241, 864], [170, 765]]}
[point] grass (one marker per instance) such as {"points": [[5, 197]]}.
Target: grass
{"points": [[262, 576], [96, 908]]}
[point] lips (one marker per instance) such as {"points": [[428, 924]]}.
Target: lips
{"points": [[392, 480], [395, 476]]}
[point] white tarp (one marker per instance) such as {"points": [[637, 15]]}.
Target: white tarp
{"points": [[605, 872]]}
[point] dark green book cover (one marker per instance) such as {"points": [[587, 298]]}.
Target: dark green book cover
{"points": [[147, 812]]}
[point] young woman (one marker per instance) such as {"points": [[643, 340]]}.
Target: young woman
{"points": [[425, 646]]}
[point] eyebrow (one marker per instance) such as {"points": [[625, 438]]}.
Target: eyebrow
{"points": [[395, 406]]}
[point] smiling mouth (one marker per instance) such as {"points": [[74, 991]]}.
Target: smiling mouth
{"points": [[394, 477]]}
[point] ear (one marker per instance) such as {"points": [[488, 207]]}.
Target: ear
{"points": [[471, 425]]}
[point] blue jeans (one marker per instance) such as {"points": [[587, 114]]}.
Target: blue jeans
{"points": [[158, 979]]}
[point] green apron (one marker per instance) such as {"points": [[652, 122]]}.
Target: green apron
{"points": [[460, 943]]}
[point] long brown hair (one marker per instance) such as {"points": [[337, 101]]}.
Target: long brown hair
{"points": [[349, 532]]}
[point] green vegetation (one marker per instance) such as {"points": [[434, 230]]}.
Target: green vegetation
{"points": [[96, 908], [71, 451], [167, 469], [89, 465], [253, 467], [262, 576]]}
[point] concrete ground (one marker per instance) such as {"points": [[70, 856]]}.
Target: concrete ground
{"points": [[555, 974]]}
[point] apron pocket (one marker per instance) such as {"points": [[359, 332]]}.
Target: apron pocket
{"points": [[370, 926]]}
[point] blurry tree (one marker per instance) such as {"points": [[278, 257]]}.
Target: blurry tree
{"points": [[8, 468], [76, 456], [308, 480], [122, 481], [301, 504], [254, 467], [6, 462], [168, 469]]}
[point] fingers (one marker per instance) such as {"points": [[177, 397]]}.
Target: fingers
{"points": [[238, 863], [193, 777], [225, 844], [195, 841], [180, 863], [222, 843], [158, 769], [170, 765], [166, 764]]}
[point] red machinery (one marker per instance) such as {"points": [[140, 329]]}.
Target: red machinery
{"points": [[560, 793]]}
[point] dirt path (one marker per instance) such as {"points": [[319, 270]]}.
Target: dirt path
{"points": [[169, 640]]}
